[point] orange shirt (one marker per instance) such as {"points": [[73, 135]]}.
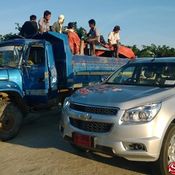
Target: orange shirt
{"points": [[74, 42]]}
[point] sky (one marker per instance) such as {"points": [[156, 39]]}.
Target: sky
{"points": [[142, 22]]}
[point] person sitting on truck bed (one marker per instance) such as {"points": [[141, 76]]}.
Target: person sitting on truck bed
{"points": [[74, 40], [44, 22], [93, 36], [29, 28], [113, 40], [58, 25]]}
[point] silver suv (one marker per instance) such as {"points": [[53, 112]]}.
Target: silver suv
{"points": [[131, 114]]}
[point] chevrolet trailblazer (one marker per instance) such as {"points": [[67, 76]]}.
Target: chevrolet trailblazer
{"points": [[131, 114]]}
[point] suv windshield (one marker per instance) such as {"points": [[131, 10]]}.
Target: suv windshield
{"points": [[10, 55], [147, 74]]}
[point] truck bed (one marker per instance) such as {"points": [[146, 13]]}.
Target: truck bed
{"points": [[87, 69]]}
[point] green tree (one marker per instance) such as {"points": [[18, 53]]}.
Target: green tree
{"points": [[136, 50], [17, 27], [11, 35]]}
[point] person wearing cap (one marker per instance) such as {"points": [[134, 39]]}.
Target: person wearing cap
{"points": [[74, 40], [58, 25], [113, 40], [44, 22]]}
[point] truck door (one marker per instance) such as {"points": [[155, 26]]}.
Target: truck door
{"points": [[36, 76]]}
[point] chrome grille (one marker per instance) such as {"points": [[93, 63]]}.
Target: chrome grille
{"points": [[94, 109], [91, 126]]}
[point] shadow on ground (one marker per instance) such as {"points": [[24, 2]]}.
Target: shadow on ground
{"points": [[41, 131]]}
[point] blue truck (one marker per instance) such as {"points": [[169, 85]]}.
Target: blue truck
{"points": [[38, 73]]}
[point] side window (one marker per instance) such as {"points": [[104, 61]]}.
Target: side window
{"points": [[36, 56], [148, 75], [125, 75]]}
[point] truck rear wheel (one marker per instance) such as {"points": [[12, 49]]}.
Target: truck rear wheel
{"points": [[167, 154], [10, 120]]}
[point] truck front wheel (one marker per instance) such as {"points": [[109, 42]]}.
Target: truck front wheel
{"points": [[10, 120]]}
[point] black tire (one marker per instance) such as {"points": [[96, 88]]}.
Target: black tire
{"points": [[163, 161], [10, 120]]}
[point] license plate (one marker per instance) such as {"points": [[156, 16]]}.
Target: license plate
{"points": [[83, 140]]}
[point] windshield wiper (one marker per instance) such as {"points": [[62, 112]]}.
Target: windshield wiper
{"points": [[110, 83], [120, 83]]}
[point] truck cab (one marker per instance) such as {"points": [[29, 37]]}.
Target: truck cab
{"points": [[31, 73]]}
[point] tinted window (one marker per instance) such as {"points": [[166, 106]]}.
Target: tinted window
{"points": [[149, 74]]}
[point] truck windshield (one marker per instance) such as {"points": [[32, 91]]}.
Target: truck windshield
{"points": [[10, 55], [145, 74]]}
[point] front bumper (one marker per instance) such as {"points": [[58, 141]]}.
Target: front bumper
{"points": [[132, 142]]}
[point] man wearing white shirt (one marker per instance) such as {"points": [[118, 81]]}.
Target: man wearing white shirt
{"points": [[44, 22], [113, 39]]}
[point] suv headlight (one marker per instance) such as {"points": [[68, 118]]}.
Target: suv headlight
{"points": [[141, 114], [66, 102]]}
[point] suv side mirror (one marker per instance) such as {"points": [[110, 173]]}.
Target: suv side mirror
{"points": [[103, 78]]}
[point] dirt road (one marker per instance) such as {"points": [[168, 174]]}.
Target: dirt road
{"points": [[38, 150]]}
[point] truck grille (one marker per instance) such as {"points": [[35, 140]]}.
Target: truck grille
{"points": [[91, 126], [94, 109]]}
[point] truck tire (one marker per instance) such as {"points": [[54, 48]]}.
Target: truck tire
{"points": [[167, 154], [10, 120]]}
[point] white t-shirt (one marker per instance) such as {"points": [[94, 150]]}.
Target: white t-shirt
{"points": [[44, 25], [114, 37]]}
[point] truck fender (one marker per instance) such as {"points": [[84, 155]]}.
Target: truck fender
{"points": [[12, 92]]}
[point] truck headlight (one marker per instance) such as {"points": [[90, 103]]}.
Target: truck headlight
{"points": [[66, 102], [141, 114]]}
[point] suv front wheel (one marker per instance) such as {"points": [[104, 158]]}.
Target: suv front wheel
{"points": [[167, 154]]}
